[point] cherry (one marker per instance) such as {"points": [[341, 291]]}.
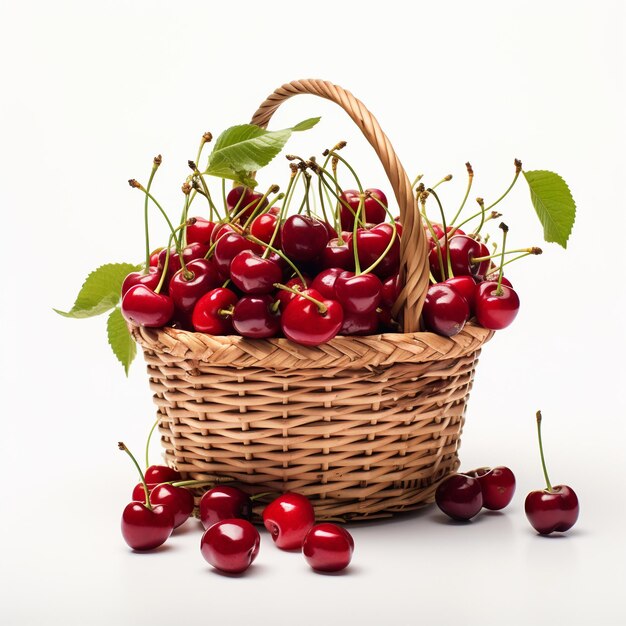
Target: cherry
{"points": [[200, 231], [173, 263], [263, 227], [390, 291], [465, 286], [331, 232], [358, 294], [230, 545], [359, 324], [227, 247], [494, 278], [206, 317], [459, 496], [253, 317], [553, 509], [178, 499], [311, 323], [145, 527], [222, 229], [289, 518], [371, 245], [462, 250], [303, 237], [371, 212], [249, 202], [151, 279], [497, 485], [337, 254], [254, 274], [156, 474], [445, 310], [328, 548], [284, 297], [154, 257], [142, 305], [139, 495], [325, 282], [188, 286], [224, 502], [195, 250], [495, 310]]}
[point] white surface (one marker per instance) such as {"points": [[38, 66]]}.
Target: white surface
{"points": [[91, 92]]}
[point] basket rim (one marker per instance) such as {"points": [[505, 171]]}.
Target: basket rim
{"points": [[189, 348]]}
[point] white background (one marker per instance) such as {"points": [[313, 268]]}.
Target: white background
{"points": [[92, 91]]}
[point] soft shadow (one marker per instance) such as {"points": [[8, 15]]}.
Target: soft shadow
{"points": [[162, 548], [252, 572]]}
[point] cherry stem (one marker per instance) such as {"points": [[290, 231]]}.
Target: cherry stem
{"points": [[417, 180], [527, 251], [322, 308], [226, 312], [434, 237], [281, 254], [156, 423], [333, 154], [167, 258], [518, 169], [321, 172], [123, 447], [155, 166], [470, 180], [259, 205], [521, 256], [258, 496], [543, 460], [505, 230], [481, 204], [206, 193], [136, 185], [226, 211], [375, 264], [283, 211], [443, 180], [445, 232]]}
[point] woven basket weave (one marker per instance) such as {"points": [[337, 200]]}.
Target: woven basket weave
{"points": [[363, 426]]}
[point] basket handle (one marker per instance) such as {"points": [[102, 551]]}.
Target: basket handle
{"points": [[413, 249]]}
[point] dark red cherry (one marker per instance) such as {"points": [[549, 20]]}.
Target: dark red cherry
{"points": [[495, 311], [328, 548], [325, 281], [144, 528], [359, 324], [253, 274], [289, 518], [206, 317], [372, 244], [337, 254], [465, 286], [156, 474], [141, 305], [358, 294], [253, 317], [391, 290], [303, 237], [224, 502], [552, 510], [459, 496], [445, 310], [462, 250], [230, 545], [284, 296], [188, 286], [178, 499], [263, 226], [150, 279], [229, 246], [304, 323], [200, 231], [371, 212], [244, 199], [497, 485]]}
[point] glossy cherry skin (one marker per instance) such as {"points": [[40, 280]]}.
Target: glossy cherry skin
{"points": [[445, 311], [151, 279], [337, 254], [230, 545], [359, 324], [325, 282], [253, 317], [186, 288], [223, 228], [224, 502], [328, 548], [303, 323], [465, 286], [263, 226], [141, 305], [154, 257], [497, 485], [371, 211], [303, 237], [253, 274], [462, 250], [173, 262], [178, 499], [206, 317], [139, 495], [144, 528], [156, 474], [371, 245], [227, 248], [495, 311], [200, 231], [358, 294], [249, 202], [552, 511], [289, 518], [390, 291], [459, 496], [285, 297]]}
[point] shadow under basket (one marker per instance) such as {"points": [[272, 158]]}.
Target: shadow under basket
{"points": [[363, 426]]}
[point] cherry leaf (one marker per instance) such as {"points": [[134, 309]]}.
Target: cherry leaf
{"points": [[553, 203], [120, 339]]}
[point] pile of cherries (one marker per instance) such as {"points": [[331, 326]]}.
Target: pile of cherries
{"points": [[162, 502], [259, 272]]}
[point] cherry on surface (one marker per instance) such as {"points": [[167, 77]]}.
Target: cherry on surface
{"points": [[230, 545], [144, 528], [497, 485], [289, 518], [178, 499], [459, 496], [328, 548], [224, 502]]}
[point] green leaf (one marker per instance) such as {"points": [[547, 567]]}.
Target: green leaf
{"points": [[246, 148], [101, 290], [120, 339], [553, 203]]}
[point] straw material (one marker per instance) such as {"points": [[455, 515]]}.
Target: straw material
{"points": [[363, 426]]}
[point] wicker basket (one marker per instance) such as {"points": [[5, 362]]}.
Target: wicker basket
{"points": [[363, 426]]}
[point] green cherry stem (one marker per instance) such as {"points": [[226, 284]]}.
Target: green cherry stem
{"points": [[443, 180], [295, 174], [259, 205], [505, 230], [521, 256], [433, 235], [285, 258], [470, 180], [167, 258], [123, 447], [374, 265], [136, 185], [156, 423], [334, 154], [518, 169], [445, 233], [355, 227], [205, 189], [526, 251], [156, 162], [206, 138], [321, 307], [543, 460]]}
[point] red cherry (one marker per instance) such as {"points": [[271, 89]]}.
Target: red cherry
{"points": [[371, 245], [195, 250], [495, 311], [139, 494], [156, 474], [227, 247], [303, 237], [445, 311], [302, 321], [497, 485], [459, 496], [263, 226], [465, 286], [173, 262], [254, 274], [358, 294], [289, 518], [154, 257], [325, 281], [391, 290], [371, 212], [332, 233], [249, 202], [253, 317], [230, 545], [187, 287], [200, 231], [206, 317], [144, 528], [222, 229], [462, 250], [285, 297], [224, 502], [328, 548], [150, 280], [494, 279], [141, 305], [337, 254], [359, 324], [178, 499]]}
